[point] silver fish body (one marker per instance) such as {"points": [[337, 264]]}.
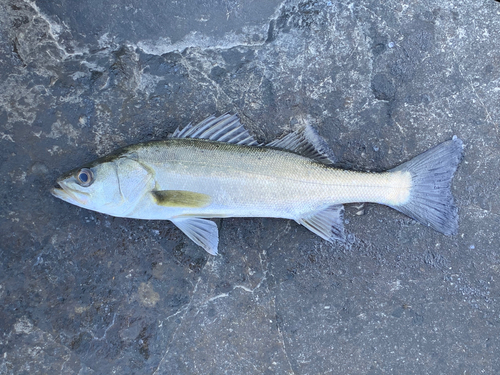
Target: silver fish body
{"points": [[246, 181], [216, 169]]}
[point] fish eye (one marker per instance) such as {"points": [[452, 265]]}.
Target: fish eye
{"points": [[85, 177]]}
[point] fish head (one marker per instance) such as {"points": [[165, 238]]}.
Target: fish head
{"points": [[111, 186]]}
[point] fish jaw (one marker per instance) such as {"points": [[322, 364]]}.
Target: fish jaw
{"points": [[65, 193]]}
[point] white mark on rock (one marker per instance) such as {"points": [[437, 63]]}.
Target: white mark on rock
{"points": [[8, 137], [147, 296], [23, 325]]}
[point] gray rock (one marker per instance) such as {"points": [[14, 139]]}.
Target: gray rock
{"points": [[84, 293]]}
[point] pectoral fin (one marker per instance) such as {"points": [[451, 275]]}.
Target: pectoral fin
{"points": [[327, 223], [181, 198], [203, 232]]}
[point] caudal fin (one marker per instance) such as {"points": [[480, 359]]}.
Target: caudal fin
{"points": [[431, 201]]}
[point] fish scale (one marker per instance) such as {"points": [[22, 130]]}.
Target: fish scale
{"points": [[257, 182]]}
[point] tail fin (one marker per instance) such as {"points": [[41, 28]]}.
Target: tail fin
{"points": [[431, 202]]}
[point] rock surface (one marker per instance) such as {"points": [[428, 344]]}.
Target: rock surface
{"points": [[85, 293]]}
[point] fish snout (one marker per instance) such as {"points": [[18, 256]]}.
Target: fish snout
{"points": [[64, 192]]}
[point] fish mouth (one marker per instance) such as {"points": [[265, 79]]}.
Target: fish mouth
{"points": [[61, 191], [58, 191]]}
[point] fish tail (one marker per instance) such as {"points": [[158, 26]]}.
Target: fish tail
{"points": [[430, 201]]}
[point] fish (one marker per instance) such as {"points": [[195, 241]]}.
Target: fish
{"points": [[216, 169]]}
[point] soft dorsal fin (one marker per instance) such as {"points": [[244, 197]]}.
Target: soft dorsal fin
{"points": [[226, 128], [327, 223], [307, 142]]}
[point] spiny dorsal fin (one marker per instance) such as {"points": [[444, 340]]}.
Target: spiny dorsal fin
{"points": [[307, 142], [327, 223], [226, 128]]}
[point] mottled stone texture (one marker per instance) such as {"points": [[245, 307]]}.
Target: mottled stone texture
{"points": [[85, 293]]}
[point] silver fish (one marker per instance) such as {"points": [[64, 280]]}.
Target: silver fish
{"points": [[216, 169]]}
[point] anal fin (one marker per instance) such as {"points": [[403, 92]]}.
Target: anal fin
{"points": [[327, 223], [201, 231]]}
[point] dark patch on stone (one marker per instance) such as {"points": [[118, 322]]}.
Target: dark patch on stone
{"points": [[236, 59], [218, 74], [382, 87]]}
